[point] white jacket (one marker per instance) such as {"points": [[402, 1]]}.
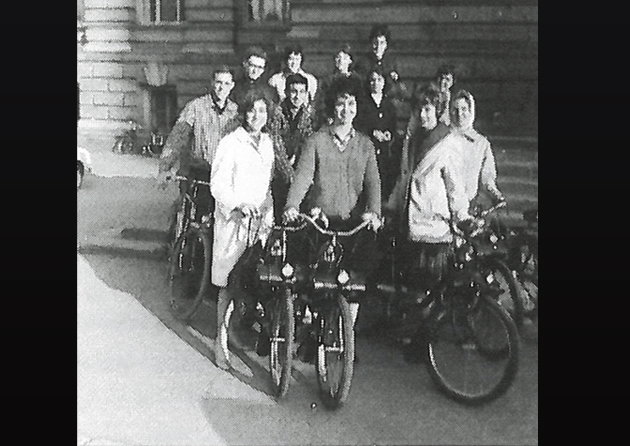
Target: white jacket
{"points": [[240, 174], [436, 190]]}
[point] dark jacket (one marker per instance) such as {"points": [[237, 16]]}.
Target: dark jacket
{"points": [[243, 85]]}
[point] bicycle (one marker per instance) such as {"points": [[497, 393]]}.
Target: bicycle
{"points": [[190, 255], [127, 142], [491, 247], [469, 341], [273, 283], [328, 287], [523, 261]]}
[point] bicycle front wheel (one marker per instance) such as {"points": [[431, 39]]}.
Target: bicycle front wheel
{"points": [[473, 351], [281, 339], [335, 353], [189, 272]]}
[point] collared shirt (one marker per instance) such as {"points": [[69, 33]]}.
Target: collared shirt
{"points": [[342, 143], [244, 85], [208, 125], [279, 82]]}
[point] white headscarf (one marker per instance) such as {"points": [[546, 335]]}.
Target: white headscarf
{"points": [[467, 125]]}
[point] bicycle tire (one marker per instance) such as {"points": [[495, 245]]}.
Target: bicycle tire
{"points": [[335, 353], [189, 272], [473, 358], [281, 343], [509, 297]]}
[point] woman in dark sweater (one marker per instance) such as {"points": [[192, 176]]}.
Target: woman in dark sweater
{"points": [[377, 118]]}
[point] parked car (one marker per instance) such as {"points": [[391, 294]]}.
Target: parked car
{"points": [[84, 164]]}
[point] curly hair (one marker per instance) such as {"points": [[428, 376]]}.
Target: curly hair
{"points": [[338, 88]]}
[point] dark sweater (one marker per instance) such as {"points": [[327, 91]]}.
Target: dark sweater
{"points": [[335, 180]]}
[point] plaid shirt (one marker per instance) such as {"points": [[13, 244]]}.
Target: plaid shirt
{"points": [[289, 135], [207, 124]]}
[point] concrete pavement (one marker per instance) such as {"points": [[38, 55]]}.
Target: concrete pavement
{"points": [[138, 383]]}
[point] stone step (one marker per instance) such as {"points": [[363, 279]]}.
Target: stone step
{"points": [[512, 186]]}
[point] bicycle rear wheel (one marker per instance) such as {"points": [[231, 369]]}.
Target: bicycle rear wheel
{"points": [[473, 351], [189, 272], [500, 277], [335, 353], [281, 339]]}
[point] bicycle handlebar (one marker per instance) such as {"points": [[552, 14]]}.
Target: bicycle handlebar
{"points": [[331, 232], [193, 180], [290, 228]]}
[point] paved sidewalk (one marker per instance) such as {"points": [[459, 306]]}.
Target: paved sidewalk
{"points": [[138, 383]]}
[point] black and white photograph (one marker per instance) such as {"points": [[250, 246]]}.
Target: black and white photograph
{"points": [[307, 222]]}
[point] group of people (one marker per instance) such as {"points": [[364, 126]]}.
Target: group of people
{"points": [[274, 148]]}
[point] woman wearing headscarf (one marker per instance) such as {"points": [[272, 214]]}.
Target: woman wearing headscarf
{"points": [[478, 167]]}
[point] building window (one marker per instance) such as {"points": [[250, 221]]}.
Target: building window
{"points": [[162, 11], [268, 10], [161, 108]]}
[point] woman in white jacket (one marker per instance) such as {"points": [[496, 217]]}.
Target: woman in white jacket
{"points": [[240, 183], [430, 198], [477, 160]]}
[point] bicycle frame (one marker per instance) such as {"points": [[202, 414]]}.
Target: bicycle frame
{"points": [[471, 251], [188, 207]]}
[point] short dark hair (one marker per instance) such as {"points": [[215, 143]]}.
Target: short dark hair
{"points": [[345, 48], [293, 48], [338, 88], [255, 51], [248, 102], [426, 94], [378, 70], [380, 30], [295, 79], [445, 69], [223, 69]]}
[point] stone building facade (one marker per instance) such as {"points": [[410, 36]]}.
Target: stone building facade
{"points": [[144, 59]]}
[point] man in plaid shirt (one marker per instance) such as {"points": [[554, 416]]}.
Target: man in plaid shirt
{"points": [[192, 143]]}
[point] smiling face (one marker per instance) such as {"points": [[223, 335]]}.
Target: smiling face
{"points": [[446, 82], [379, 45], [256, 117], [428, 117], [343, 61], [345, 109], [223, 84], [254, 67], [461, 113], [377, 83], [298, 95], [294, 62]]}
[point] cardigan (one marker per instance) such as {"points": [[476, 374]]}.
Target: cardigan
{"points": [[334, 179]]}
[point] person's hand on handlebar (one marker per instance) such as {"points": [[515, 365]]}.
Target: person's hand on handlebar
{"points": [[290, 215], [372, 219], [245, 210], [164, 177]]}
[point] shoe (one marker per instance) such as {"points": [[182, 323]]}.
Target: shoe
{"points": [[263, 345], [244, 338], [307, 351], [221, 360]]}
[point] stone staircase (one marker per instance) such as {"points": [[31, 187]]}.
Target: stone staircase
{"points": [[517, 170]]}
